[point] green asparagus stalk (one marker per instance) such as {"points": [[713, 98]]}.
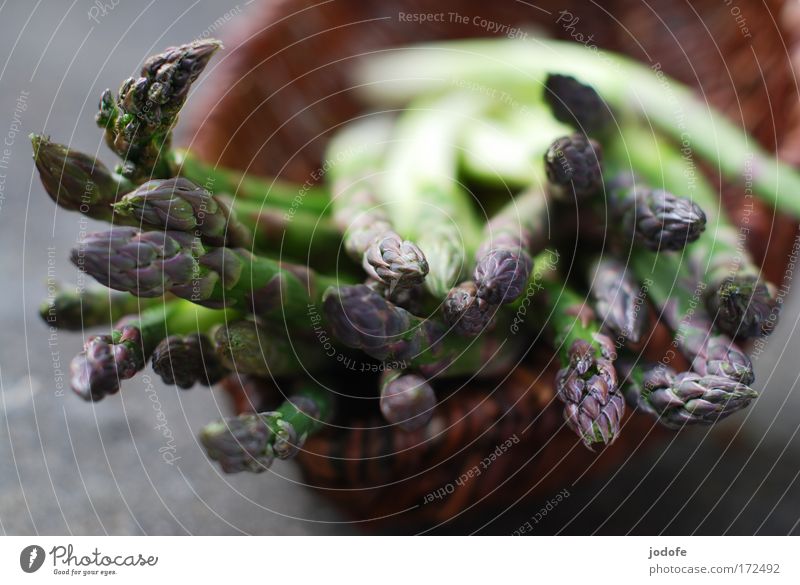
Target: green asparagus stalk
{"points": [[618, 298], [577, 104], [185, 360], [272, 192], [149, 264], [676, 293], [587, 382], [574, 167], [250, 442], [741, 302], [138, 122], [520, 68], [357, 152], [363, 319], [407, 399], [678, 400], [79, 308], [420, 187], [77, 181], [246, 347], [178, 204], [106, 360], [656, 218]]}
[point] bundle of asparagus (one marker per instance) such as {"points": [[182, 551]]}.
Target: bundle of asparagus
{"points": [[216, 276]]}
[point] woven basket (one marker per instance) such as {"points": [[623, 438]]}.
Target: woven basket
{"points": [[282, 84]]}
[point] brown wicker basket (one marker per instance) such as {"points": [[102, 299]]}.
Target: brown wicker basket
{"points": [[282, 84]]}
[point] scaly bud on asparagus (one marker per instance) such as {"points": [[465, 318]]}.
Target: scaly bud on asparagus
{"points": [[178, 204], [407, 399], [655, 218], [587, 384], [138, 122], [618, 298], [576, 104], [677, 400], [250, 442], [466, 311], [184, 360], [77, 181], [574, 167]]}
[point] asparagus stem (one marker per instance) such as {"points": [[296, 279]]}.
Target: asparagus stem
{"points": [[407, 399], [106, 360], [248, 348], [268, 191], [369, 236], [250, 442], [138, 122], [618, 298], [75, 309], [421, 189], [677, 294], [150, 264], [77, 181], [741, 302], [521, 67], [184, 360], [677, 400]]}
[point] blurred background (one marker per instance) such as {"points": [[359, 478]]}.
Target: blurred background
{"points": [[71, 467]]}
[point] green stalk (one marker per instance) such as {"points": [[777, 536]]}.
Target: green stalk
{"points": [[521, 68], [272, 192], [421, 189]]}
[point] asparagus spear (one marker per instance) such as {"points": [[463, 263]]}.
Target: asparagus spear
{"points": [[741, 302], [407, 399], [574, 167], [150, 264], [421, 189], [677, 400], [138, 122], [676, 294], [587, 382], [576, 104], [369, 236], [250, 442], [106, 360], [362, 319], [618, 298], [76, 181], [246, 347], [75, 309], [518, 232], [656, 218], [178, 204], [397, 77], [184, 360]]}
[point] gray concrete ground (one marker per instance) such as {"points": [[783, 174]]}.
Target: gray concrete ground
{"points": [[69, 467]]}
